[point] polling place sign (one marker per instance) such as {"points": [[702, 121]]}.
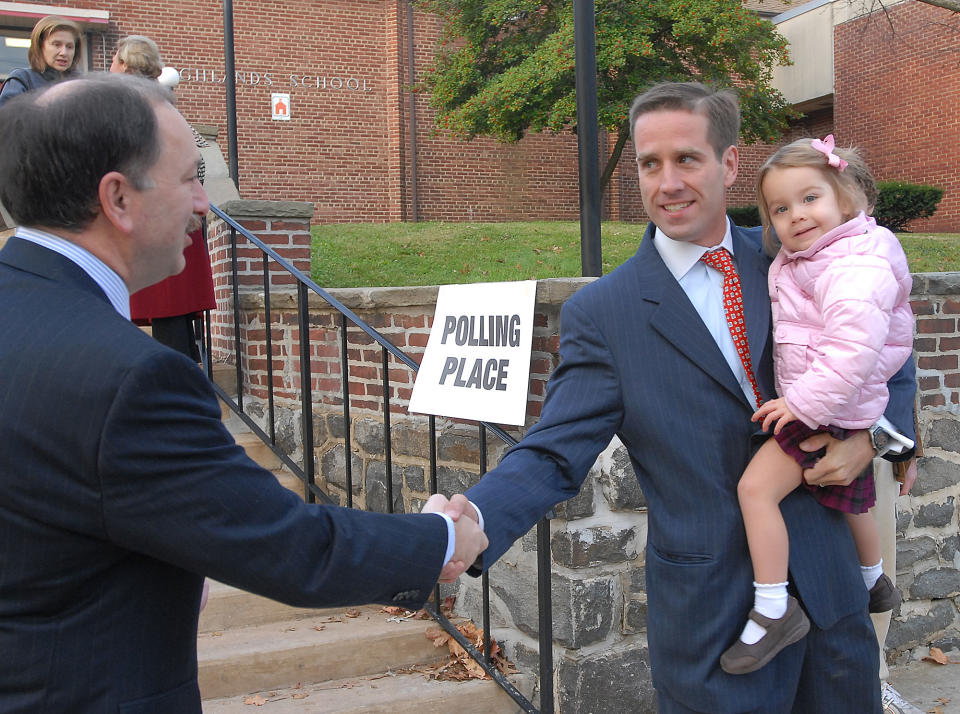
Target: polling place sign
{"points": [[477, 361]]}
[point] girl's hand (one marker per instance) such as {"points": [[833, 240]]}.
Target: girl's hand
{"points": [[776, 410]]}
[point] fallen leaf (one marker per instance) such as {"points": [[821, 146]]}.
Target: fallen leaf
{"points": [[256, 700], [937, 655], [299, 695], [392, 610], [319, 628], [352, 612]]}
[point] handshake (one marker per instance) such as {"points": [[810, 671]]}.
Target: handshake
{"points": [[471, 541]]}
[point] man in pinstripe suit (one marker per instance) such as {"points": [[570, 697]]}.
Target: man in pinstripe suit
{"points": [[121, 487], [646, 355]]}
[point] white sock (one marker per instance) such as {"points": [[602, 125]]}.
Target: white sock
{"points": [[770, 600], [871, 573]]}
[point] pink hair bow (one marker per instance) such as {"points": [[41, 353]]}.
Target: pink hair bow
{"points": [[826, 148]]}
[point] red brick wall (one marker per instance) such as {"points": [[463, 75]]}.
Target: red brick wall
{"points": [[897, 96], [347, 150]]}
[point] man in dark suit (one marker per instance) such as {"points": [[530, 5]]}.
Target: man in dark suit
{"points": [[646, 355], [121, 487]]}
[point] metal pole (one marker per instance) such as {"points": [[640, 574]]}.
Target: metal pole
{"points": [[231, 87], [585, 48]]}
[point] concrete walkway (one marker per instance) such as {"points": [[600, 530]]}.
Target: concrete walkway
{"points": [[927, 685]]}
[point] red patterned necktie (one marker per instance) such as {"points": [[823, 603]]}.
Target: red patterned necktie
{"points": [[733, 306]]}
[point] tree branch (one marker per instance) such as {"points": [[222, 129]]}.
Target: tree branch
{"points": [[952, 5]]}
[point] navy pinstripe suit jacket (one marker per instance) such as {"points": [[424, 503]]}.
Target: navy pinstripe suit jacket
{"points": [[638, 362], [122, 489]]}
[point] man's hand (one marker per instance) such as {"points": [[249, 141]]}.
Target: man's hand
{"points": [[843, 462], [471, 541], [776, 410], [909, 476]]}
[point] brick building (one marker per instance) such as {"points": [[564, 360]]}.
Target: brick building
{"points": [[345, 142]]}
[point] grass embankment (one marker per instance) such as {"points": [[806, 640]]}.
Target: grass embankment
{"points": [[437, 253]]}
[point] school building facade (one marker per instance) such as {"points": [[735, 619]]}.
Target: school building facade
{"points": [[324, 112]]}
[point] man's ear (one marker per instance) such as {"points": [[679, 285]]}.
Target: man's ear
{"points": [[731, 162], [116, 195]]}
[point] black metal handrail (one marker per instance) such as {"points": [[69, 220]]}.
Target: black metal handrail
{"points": [[306, 473]]}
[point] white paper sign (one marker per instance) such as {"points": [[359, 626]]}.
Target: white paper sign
{"points": [[477, 361], [280, 106]]}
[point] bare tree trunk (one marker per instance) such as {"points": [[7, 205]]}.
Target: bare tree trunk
{"points": [[623, 134]]}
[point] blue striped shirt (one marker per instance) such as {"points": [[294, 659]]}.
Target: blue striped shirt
{"points": [[111, 283]]}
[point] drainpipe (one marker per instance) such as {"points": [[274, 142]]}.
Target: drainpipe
{"points": [[411, 75], [231, 87]]}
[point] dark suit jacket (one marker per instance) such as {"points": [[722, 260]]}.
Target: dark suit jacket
{"points": [[638, 362], [122, 489]]}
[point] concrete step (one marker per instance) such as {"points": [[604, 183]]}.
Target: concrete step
{"points": [[225, 375], [256, 449], [315, 649], [386, 693], [228, 607]]}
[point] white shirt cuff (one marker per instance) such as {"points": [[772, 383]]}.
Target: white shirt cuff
{"points": [[479, 516], [898, 442], [451, 538]]}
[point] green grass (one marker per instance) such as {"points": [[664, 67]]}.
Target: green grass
{"points": [[437, 253]]}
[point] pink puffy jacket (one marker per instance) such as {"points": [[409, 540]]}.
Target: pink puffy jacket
{"points": [[842, 324]]}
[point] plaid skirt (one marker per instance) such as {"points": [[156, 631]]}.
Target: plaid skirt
{"points": [[857, 497]]}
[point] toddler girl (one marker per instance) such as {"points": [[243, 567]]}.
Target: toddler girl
{"points": [[842, 326]]}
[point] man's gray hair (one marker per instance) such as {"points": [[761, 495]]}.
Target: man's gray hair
{"points": [[60, 142]]}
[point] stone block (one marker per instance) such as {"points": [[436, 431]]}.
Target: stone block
{"points": [[584, 609], [948, 550], [638, 579], [913, 550], [581, 505], [454, 480], [935, 584], [935, 474], [635, 616], [612, 683], [375, 485], [596, 545], [619, 483], [916, 630], [410, 438], [904, 519], [414, 478], [935, 515], [334, 469], [460, 444], [944, 434], [368, 435]]}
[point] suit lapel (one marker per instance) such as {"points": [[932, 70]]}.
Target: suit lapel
{"points": [[675, 318], [752, 267], [32, 258]]}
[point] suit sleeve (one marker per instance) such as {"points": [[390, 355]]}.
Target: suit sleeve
{"points": [[581, 414], [176, 487]]}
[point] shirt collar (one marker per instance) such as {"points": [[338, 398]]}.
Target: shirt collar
{"points": [[679, 256], [108, 280]]}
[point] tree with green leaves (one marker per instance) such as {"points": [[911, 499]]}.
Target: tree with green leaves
{"points": [[506, 67]]}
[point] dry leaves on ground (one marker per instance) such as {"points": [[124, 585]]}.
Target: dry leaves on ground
{"points": [[460, 665], [938, 656]]}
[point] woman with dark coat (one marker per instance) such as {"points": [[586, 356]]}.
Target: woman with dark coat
{"points": [[55, 49]]}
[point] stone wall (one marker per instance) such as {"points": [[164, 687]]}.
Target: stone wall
{"points": [[597, 538]]}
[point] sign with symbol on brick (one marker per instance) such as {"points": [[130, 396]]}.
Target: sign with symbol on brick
{"points": [[280, 106]]}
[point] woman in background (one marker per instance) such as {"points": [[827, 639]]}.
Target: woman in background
{"points": [[55, 49], [171, 306]]}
